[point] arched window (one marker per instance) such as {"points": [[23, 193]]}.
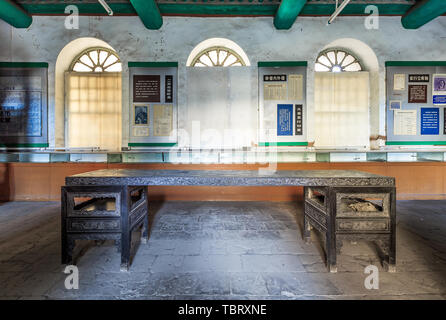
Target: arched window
{"points": [[341, 96], [93, 102], [335, 60], [217, 52], [96, 60], [217, 57]]}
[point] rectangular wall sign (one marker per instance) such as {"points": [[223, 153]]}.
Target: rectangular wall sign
{"points": [[146, 88], [430, 121], [299, 119], [168, 89], [417, 93], [284, 119], [419, 78]]}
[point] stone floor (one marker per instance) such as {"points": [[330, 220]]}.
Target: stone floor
{"points": [[220, 250]]}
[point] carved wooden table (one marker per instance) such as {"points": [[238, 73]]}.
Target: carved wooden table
{"points": [[342, 204]]}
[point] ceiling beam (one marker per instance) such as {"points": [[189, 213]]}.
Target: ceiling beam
{"points": [[14, 15], [423, 12], [149, 13], [287, 13]]}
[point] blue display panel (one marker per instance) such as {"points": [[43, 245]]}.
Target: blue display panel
{"points": [[284, 119], [439, 99], [430, 121], [23, 105]]}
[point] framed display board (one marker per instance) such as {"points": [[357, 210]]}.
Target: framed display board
{"points": [[153, 104], [23, 104], [416, 102], [282, 103]]}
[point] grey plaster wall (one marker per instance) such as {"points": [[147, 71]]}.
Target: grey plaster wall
{"points": [[47, 36]]}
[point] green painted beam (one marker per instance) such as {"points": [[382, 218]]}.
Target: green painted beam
{"points": [[210, 9], [423, 12], [14, 15], [287, 13], [149, 13]]}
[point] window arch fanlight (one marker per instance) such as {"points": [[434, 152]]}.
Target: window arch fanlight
{"points": [[217, 56], [97, 59], [337, 60]]}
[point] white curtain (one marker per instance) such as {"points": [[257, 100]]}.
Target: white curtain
{"points": [[341, 109], [93, 110]]}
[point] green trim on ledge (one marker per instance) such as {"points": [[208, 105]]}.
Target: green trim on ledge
{"points": [[24, 145], [152, 64], [415, 143], [159, 144], [282, 64], [415, 63], [23, 64], [282, 144]]}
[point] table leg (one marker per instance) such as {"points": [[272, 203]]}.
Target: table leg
{"points": [[145, 228], [125, 251], [125, 229], [330, 235], [67, 246], [307, 225], [390, 264]]}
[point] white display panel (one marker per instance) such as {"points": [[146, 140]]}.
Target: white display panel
{"points": [[221, 109], [153, 109], [282, 105]]}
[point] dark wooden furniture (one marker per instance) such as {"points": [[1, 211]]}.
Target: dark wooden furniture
{"points": [[103, 213], [342, 204], [352, 213]]}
